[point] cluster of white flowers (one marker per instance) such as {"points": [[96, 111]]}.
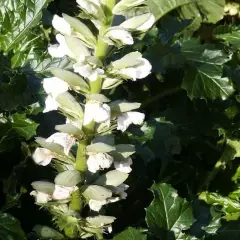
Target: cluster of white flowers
{"points": [[76, 41]]}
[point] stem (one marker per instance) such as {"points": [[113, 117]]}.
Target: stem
{"points": [[166, 93], [95, 87]]}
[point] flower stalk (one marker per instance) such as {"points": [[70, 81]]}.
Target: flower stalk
{"points": [[87, 124]]}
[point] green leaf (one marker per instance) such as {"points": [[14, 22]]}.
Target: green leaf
{"points": [[161, 7], [229, 231], [22, 17], [168, 211], [16, 127], [207, 11], [204, 79], [10, 228], [229, 34], [130, 234]]}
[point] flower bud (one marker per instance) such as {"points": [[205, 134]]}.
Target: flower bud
{"points": [[139, 23], [93, 9], [128, 118], [81, 31], [61, 25], [124, 5], [131, 66], [118, 36]]}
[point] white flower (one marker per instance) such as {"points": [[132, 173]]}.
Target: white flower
{"points": [[140, 71], [43, 156], [75, 123], [61, 192], [50, 104], [61, 25], [54, 86], [97, 161], [63, 139], [96, 111], [41, 197], [97, 205], [126, 119], [87, 71], [92, 8], [132, 66], [119, 36], [139, 23], [61, 50], [125, 5], [124, 166]]}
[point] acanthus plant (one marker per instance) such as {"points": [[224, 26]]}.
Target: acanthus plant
{"points": [[94, 174]]}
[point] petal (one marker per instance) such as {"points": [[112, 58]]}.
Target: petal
{"points": [[54, 86], [41, 197], [42, 156], [123, 122], [96, 205], [61, 192], [50, 104], [148, 24], [89, 112], [64, 139], [144, 69], [56, 51], [122, 35], [136, 117], [93, 163], [102, 114], [61, 25]]}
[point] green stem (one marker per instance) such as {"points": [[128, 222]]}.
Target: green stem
{"points": [[163, 94], [95, 87]]}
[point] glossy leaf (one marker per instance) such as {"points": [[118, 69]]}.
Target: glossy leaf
{"points": [[168, 211], [10, 228], [130, 234], [204, 79]]}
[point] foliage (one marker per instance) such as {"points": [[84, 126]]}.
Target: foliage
{"points": [[185, 179]]}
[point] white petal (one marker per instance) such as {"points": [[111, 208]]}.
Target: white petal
{"points": [[97, 112], [89, 6], [102, 114], [144, 69], [42, 156], [147, 25], [61, 192], [125, 119], [64, 139], [56, 51], [87, 71], [93, 164], [54, 86], [123, 122], [50, 104], [124, 166], [136, 117], [122, 35], [75, 123], [96, 205], [99, 161], [40, 197], [61, 25]]}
